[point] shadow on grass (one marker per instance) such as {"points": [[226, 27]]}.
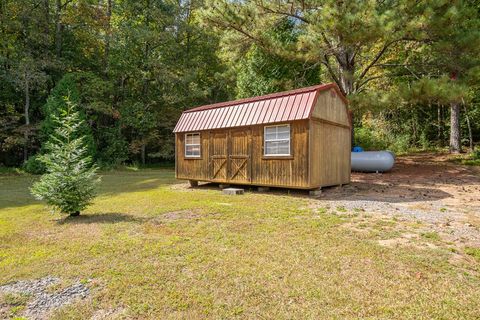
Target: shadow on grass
{"points": [[412, 179], [14, 189], [107, 218], [354, 191]]}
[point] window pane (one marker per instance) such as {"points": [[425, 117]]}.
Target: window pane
{"points": [[192, 150], [283, 135], [271, 129], [196, 139], [277, 132], [277, 147], [270, 136], [283, 147], [283, 128], [271, 148]]}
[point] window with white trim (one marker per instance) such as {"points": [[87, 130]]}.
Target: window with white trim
{"points": [[192, 145], [277, 140]]}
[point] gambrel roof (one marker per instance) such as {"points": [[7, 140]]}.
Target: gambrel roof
{"points": [[271, 108]]}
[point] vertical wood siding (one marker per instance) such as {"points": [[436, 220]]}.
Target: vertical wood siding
{"points": [[329, 154], [192, 167], [320, 151], [282, 171], [329, 141], [236, 156], [330, 107]]}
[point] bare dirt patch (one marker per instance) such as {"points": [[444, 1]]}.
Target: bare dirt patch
{"points": [[176, 215], [114, 313], [181, 214], [182, 186], [421, 187]]}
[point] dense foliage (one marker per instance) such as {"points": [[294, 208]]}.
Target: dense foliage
{"points": [[69, 183], [410, 68]]}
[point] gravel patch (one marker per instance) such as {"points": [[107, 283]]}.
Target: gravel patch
{"points": [[425, 188], [435, 214], [42, 300]]}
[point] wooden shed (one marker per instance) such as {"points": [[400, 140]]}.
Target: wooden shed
{"points": [[293, 139]]}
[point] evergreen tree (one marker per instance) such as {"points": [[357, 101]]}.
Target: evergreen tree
{"points": [[454, 31], [70, 181], [56, 104], [133, 66], [351, 40], [262, 72]]}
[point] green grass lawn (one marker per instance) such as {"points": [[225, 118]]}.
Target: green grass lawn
{"points": [[156, 250]]}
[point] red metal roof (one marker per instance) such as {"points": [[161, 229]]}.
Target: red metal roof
{"points": [[271, 108]]}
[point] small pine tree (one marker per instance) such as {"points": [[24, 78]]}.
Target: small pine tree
{"points": [[69, 184], [67, 86]]}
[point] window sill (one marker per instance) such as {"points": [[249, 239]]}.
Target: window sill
{"points": [[192, 158], [273, 157]]}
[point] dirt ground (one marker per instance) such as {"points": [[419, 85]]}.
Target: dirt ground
{"points": [[428, 188], [424, 188]]}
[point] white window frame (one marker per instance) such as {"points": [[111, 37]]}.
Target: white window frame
{"points": [[193, 144], [265, 140]]}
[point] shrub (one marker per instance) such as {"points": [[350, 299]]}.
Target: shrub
{"points": [[370, 139], [476, 155], [34, 166]]}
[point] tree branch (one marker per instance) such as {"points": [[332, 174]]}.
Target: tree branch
{"points": [[375, 59], [326, 63], [380, 54], [361, 84], [64, 5], [288, 14]]}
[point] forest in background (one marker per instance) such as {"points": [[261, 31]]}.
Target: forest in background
{"points": [[409, 68]]}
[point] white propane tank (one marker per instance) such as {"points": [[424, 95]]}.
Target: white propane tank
{"points": [[372, 161]]}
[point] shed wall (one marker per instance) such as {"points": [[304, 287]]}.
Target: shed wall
{"points": [[329, 154], [330, 107], [280, 171], [330, 141], [198, 167], [223, 158]]}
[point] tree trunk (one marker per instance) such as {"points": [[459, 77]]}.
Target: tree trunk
{"points": [[46, 6], [143, 154], [27, 117], [58, 28], [455, 146], [108, 35], [470, 135], [440, 127], [346, 71]]}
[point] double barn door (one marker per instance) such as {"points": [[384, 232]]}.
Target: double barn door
{"points": [[230, 156]]}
